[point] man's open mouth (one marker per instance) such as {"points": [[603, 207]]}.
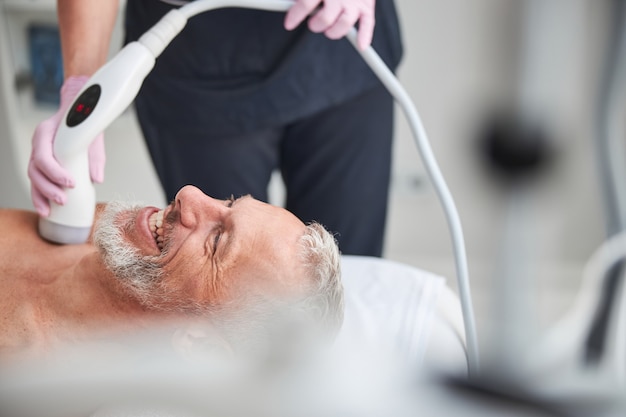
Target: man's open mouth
{"points": [[156, 227]]}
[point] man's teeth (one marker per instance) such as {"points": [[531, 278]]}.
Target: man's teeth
{"points": [[156, 227]]}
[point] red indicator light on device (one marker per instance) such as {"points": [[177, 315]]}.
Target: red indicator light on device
{"points": [[79, 107], [87, 111]]}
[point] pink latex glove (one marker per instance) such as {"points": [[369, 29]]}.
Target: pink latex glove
{"points": [[47, 176], [335, 18]]}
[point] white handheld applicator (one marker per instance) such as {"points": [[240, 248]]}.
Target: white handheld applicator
{"points": [[101, 100]]}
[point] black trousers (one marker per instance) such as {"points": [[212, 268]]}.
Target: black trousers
{"points": [[335, 165]]}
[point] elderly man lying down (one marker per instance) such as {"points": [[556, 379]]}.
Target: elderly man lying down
{"points": [[224, 261]]}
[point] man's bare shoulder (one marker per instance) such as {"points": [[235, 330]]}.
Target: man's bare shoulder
{"points": [[15, 219], [26, 221], [24, 250], [20, 242]]}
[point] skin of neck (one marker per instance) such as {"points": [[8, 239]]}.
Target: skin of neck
{"points": [[88, 301]]}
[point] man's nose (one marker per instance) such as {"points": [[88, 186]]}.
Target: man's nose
{"points": [[195, 207]]}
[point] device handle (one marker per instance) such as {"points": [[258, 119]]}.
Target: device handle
{"points": [[101, 100]]}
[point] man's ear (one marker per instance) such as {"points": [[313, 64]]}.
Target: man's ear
{"points": [[200, 342]]}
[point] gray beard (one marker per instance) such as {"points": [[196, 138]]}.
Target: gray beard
{"points": [[140, 275]]}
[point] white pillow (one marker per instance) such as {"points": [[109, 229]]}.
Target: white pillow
{"points": [[399, 310]]}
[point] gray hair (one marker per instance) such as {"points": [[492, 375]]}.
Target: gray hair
{"points": [[321, 257]]}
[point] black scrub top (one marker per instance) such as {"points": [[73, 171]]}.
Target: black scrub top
{"points": [[236, 70]]}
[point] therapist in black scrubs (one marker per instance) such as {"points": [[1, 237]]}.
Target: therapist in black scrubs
{"points": [[240, 93]]}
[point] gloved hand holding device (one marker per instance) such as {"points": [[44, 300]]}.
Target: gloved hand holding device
{"points": [[47, 176], [335, 18]]}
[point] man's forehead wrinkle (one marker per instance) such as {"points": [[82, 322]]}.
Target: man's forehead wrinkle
{"points": [[254, 241]]}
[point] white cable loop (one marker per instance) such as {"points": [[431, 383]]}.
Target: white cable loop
{"points": [[421, 140]]}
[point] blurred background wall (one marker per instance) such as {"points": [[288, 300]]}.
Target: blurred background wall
{"points": [[465, 61]]}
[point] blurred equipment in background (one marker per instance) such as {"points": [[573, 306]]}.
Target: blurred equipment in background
{"points": [[610, 139], [581, 357], [46, 63]]}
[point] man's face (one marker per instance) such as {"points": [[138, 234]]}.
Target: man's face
{"points": [[214, 253]]}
